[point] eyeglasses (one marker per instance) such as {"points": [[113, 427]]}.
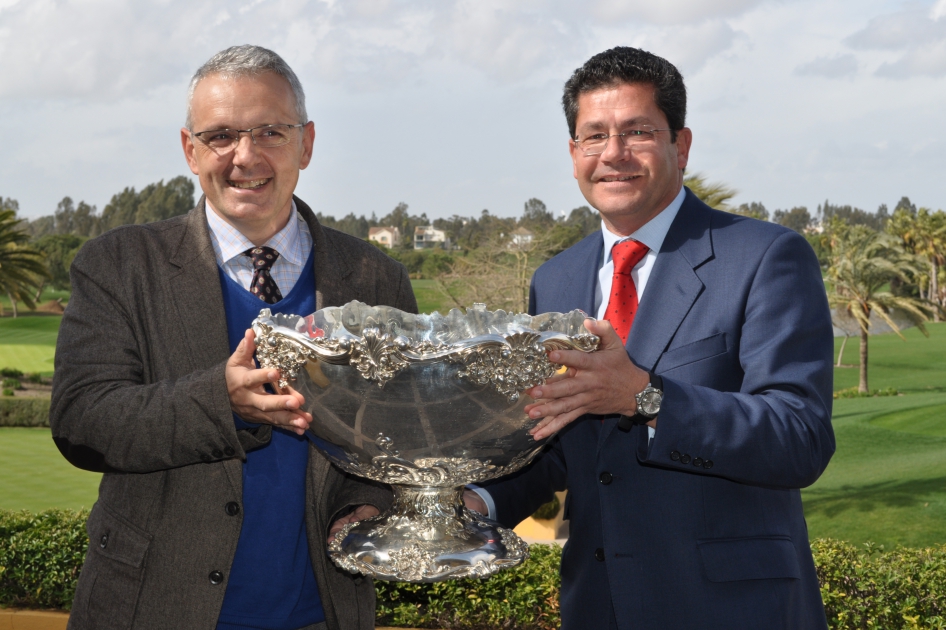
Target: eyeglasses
{"points": [[596, 144], [266, 136]]}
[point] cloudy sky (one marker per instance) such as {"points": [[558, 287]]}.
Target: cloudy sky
{"points": [[452, 106]]}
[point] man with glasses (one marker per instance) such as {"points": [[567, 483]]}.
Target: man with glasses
{"points": [[214, 509], [685, 439]]}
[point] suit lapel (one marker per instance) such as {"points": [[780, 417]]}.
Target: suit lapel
{"points": [[199, 307], [198, 297], [672, 288]]}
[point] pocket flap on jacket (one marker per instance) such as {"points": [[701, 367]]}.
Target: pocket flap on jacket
{"points": [[113, 537], [733, 559], [692, 352]]}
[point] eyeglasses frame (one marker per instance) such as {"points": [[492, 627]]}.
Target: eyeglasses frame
{"points": [[242, 131], [608, 137]]}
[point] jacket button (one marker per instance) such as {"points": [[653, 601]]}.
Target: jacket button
{"points": [[675, 456], [707, 464], [232, 508], [216, 577], [217, 453], [697, 461], [103, 541], [606, 478], [229, 451], [599, 554], [684, 459]]}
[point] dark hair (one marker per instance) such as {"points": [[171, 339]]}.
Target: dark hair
{"points": [[623, 64]]}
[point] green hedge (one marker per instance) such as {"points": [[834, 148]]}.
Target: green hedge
{"points": [[40, 558], [903, 588], [24, 412], [524, 597]]}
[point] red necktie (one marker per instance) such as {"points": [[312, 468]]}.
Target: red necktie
{"points": [[622, 305]]}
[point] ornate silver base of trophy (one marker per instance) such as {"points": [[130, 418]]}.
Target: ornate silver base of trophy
{"points": [[427, 404], [427, 536]]}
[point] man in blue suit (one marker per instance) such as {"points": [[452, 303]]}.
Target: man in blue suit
{"points": [[683, 449]]}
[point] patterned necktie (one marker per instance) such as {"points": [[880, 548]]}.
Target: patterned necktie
{"points": [[263, 285], [622, 305]]}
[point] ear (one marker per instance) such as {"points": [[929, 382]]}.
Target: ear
{"points": [[576, 154], [684, 140], [308, 140], [187, 143]]}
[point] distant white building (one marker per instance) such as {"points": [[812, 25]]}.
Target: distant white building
{"points": [[521, 238], [389, 236], [427, 237]]}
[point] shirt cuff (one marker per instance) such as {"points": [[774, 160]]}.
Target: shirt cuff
{"points": [[651, 431], [487, 499]]}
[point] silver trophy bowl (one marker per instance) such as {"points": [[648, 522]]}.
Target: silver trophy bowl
{"points": [[427, 404]]}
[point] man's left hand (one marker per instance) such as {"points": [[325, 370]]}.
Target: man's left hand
{"points": [[601, 382], [359, 514]]}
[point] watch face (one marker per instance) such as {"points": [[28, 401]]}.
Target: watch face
{"points": [[650, 402]]}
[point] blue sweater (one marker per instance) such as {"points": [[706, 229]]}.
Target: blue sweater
{"points": [[271, 583]]}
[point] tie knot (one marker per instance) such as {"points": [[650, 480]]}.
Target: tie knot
{"points": [[626, 255], [263, 257]]}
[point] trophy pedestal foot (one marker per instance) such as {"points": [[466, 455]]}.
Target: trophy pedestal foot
{"points": [[428, 536]]}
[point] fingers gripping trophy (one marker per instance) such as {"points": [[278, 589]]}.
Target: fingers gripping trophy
{"points": [[428, 404]]}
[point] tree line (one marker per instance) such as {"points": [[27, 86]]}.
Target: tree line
{"points": [[37, 254], [886, 265]]}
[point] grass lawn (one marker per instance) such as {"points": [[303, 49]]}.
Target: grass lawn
{"points": [[28, 342], [915, 365], [429, 297], [35, 477], [887, 480]]}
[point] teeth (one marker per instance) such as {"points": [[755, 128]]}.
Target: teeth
{"points": [[256, 183], [617, 179]]}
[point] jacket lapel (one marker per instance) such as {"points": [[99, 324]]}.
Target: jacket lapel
{"points": [[672, 288], [199, 298], [199, 305]]}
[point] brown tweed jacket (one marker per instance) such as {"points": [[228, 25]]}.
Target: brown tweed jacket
{"points": [[139, 394]]}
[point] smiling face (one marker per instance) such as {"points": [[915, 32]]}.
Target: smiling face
{"points": [[249, 187], [628, 186]]}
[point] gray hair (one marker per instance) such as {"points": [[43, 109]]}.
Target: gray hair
{"points": [[247, 61]]}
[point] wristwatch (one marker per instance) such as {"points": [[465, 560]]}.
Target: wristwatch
{"points": [[648, 404]]}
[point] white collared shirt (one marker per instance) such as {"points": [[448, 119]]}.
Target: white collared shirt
{"points": [[293, 242], [651, 234]]}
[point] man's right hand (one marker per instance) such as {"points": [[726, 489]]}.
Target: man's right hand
{"points": [[252, 402]]}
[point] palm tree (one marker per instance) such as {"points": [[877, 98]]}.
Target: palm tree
{"points": [[924, 233], [862, 263], [22, 268], [715, 194]]}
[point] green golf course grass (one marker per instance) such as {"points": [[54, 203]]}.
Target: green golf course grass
{"points": [[35, 477], [28, 342], [885, 484]]}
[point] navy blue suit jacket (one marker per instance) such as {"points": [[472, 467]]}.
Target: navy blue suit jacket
{"points": [[701, 527]]}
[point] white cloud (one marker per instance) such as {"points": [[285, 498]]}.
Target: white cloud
{"points": [[689, 47], [914, 38], [831, 67], [669, 11]]}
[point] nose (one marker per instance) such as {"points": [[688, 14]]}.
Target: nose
{"points": [[246, 152], [615, 150]]}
